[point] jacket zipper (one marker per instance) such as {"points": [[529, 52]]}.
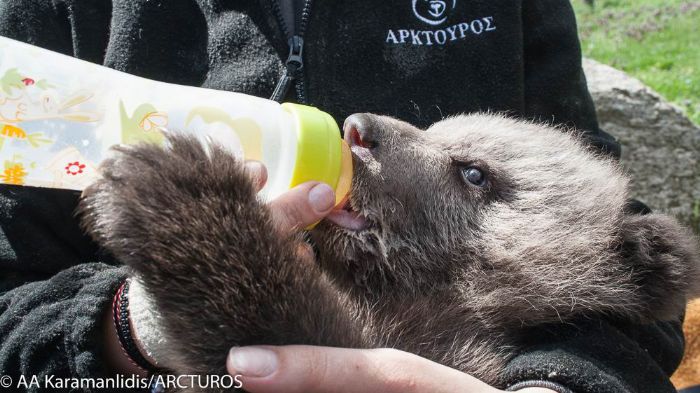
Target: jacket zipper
{"points": [[295, 62]]}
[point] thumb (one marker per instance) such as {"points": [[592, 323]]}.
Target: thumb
{"points": [[306, 369], [302, 206]]}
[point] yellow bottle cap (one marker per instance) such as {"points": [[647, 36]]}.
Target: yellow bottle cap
{"points": [[322, 155]]}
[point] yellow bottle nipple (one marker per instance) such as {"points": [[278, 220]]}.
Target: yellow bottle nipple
{"points": [[342, 189]]}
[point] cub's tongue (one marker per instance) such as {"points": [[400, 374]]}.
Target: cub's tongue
{"points": [[348, 218]]}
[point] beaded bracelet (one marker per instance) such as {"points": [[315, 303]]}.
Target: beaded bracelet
{"points": [[120, 310]]}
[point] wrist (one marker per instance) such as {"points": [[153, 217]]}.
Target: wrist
{"points": [[146, 322], [126, 349], [115, 358]]}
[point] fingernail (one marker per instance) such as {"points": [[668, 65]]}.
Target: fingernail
{"points": [[253, 361], [253, 167], [321, 198]]}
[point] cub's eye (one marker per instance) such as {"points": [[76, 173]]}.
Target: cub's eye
{"points": [[474, 176]]}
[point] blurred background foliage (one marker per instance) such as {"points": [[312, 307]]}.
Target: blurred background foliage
{"points": [[656, 41]]}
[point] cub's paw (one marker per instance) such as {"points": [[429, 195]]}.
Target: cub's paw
{"points": [[152, 202]]}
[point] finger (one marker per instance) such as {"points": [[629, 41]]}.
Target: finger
{"points": [[302, 206], [323, 370], [257, 172]]}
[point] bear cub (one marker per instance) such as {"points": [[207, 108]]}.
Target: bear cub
{"points": [[454, 241]]}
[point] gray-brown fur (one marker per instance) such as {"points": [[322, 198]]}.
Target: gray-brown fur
{"points": [[447, 270]]}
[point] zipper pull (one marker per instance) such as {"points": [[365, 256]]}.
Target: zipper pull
{"points": [[295, 64]]}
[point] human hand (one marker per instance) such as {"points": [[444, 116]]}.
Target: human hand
{"points": [[299, 207], [308, 369]]}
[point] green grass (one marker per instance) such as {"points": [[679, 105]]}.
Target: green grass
{"points": [[656, 41]]}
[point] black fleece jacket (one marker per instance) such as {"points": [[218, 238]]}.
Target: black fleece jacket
{"points": [[399, 58]]}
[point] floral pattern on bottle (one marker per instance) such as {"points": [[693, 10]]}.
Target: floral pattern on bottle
{"points": [[14, 172]]}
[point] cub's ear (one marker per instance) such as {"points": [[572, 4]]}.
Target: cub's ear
{"points": [[665, 263]]}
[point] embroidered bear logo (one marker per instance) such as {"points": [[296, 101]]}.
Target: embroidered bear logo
{"points": [[433, 12]]}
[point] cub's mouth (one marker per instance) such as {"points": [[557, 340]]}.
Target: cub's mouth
{"points": [[352, 216], [349, 218]]}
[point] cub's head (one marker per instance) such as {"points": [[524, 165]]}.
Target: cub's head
{"points": [[510, 215]]}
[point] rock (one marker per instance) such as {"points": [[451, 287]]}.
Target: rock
{"points": [[660, 145]]}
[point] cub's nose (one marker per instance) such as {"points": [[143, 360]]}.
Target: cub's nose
{"points": [[359, 130]]}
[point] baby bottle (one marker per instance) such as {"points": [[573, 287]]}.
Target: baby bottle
{"points": [[60, 115]]}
